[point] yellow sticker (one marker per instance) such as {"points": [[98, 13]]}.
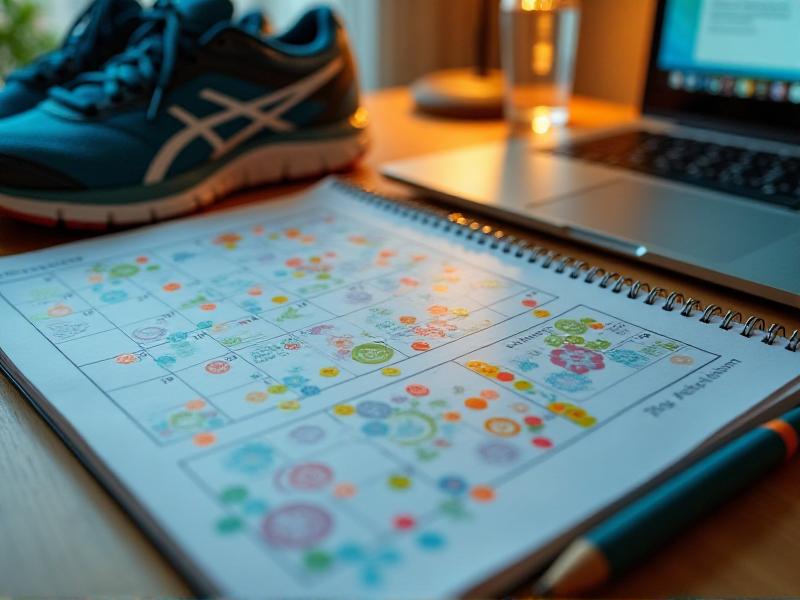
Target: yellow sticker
{"points": [[399, 482]]}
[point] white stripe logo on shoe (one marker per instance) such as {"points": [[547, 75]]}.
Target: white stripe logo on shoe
{"points": [[278, 104]]}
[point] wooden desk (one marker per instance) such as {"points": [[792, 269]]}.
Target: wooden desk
{"points": [[61, 534]]}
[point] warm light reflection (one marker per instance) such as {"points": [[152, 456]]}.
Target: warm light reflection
{"points": [[360, 118], [542, 51], [531, 5], [542, 121]]}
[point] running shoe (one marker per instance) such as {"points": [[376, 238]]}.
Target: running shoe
{"points": [[98, 34], [195, 108]]}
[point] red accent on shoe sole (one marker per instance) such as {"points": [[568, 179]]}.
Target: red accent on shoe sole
{"points": [[85, 225], [34, 219]]}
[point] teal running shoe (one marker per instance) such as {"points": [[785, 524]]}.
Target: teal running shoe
{"points": [[195, 108], [98, 34]]}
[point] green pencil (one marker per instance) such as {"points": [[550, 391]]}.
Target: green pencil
{"points": [[623, 540]]}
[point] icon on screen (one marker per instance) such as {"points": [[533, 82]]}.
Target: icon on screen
{"points": [[744, 88], [794, 93], [778, 91], [714, 85], [728, 85]]}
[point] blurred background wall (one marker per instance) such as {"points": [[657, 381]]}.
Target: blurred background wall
{"points": [[399, 40]]}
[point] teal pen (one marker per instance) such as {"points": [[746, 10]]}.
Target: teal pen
{"points": [[619, 543]]}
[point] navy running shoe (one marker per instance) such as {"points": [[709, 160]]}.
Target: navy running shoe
{"points": [[194, 109], [98, 34]]}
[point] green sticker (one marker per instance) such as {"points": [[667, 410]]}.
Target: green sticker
{"points": [[187, 421], [317, 560], [599, 345], [554, 340], [233, 494], [571, 326], [372, 354], [229, 524], [124, 270], [575, 339]]}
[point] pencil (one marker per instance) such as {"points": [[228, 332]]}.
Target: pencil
{"points": [[624, 539]]}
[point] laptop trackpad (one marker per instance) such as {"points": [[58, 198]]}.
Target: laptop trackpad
{"points": [[689, 223]]}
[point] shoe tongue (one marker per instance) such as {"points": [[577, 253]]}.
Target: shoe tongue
{"points": [[201, 15], [126, 7]]}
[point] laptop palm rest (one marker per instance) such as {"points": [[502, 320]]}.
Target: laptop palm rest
{"points": [[695, 225]]}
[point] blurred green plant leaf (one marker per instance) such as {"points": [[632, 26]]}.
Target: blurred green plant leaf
{"points": [[22, 37]]}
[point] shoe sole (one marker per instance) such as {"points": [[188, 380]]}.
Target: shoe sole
{"points": [[284, 162]]}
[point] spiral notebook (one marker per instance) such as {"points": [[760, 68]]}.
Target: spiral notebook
{"points": [[342, 395]]}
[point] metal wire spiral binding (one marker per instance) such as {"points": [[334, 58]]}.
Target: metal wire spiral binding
{"points": [[674, 297], [496, 239], [689, 306]]}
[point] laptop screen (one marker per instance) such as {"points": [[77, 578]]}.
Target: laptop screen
{"points": [[734, 60]]}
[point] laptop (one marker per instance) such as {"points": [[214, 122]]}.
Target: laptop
{"points": [[706, 183]]}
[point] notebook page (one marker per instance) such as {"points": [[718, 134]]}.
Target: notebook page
{"points": [[320, 397]]}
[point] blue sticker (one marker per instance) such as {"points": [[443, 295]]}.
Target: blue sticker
{"points": [[114, 296], [375, 429], [430, 540], [166, 361], [371, 409], [453, 485], [568, 382], [629, 358], [252, 459]]}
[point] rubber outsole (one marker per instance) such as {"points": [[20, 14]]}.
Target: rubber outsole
{"points": [[284, 162]]}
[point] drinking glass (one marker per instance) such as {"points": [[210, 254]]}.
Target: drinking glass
{"points": [[539, 44]]}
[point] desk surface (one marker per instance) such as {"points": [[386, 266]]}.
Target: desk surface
{"points": [[63, 535]]}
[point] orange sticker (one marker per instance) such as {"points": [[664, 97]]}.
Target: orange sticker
{"points": [[482, 493], [451, 416], [126, 359], [475, 403], [197, 404], [256, 397], [204, 439], [502, 427], [345, 490], [172, 286]]}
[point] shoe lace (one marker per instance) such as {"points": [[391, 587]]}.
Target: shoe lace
{"points": [[75, 52], [146, 65]]}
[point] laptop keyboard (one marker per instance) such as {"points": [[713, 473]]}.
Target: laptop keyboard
{"points": [[764, 176]]}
